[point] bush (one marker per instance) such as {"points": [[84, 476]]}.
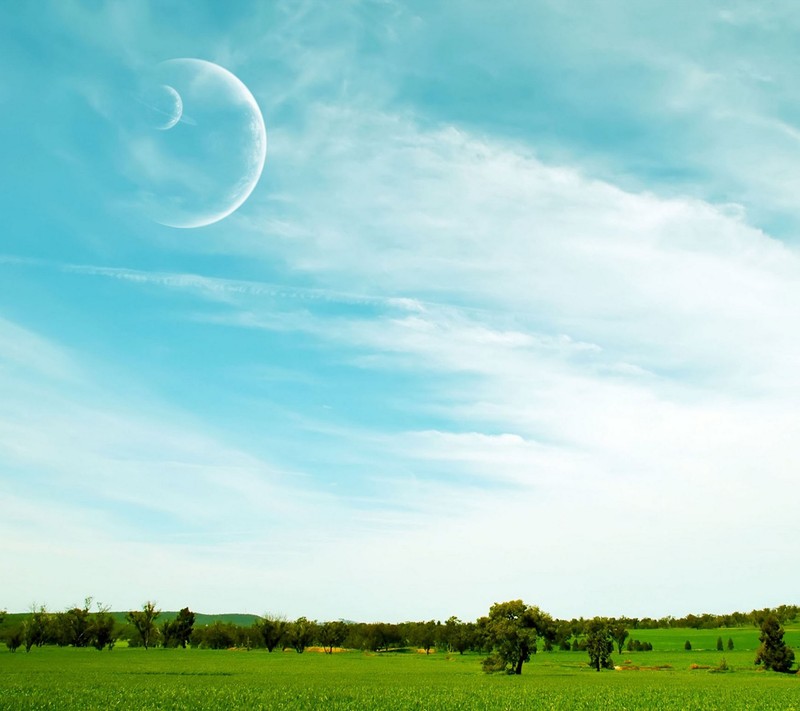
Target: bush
{"points": [[14, 638], [635, 645], [493, 663], [688, 646], [722, 666]]}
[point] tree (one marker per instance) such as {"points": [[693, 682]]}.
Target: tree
{"points": [[300, 634], [599, 643], [730, 643], [376, 636], [619, 633], [176, 633], [332, 634], [511, 630], [73, 625], [271, 629], [688, 646], [458, 636], [144, 622], [101, 630], [720, 646], [424, 634], [773, 652], [219, 635], [37, 627], [15, 638]]}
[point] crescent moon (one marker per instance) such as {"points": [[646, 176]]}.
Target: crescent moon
{"points": [[209, 162], [176, 109]]}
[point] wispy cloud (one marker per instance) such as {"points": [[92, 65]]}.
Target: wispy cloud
{"points": [[500, 320]]}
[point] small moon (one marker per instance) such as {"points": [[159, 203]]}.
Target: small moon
{"points": [[203, 168], [163, 105]]}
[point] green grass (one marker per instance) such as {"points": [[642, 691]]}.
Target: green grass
{"points": [[744, 638], [53, 678]]}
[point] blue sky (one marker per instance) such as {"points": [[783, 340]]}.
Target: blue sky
{"points": [[511, 312]]}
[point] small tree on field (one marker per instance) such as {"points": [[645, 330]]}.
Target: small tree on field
{"points": [[102, 629], [599, 643], [74, 625], [176, 633], [773, 652], [619, 633], [424, 634], [144, 622], [272, 629], [332, 634], [730, 643], [458, 636], [15, 637], [219, 635], [719, 644], [300, 634], [36, 627], [688, 646]]}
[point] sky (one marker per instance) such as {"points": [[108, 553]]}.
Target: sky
{"points": [[511, 311]]}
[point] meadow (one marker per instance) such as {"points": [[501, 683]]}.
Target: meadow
{"points": [[132, 678]]}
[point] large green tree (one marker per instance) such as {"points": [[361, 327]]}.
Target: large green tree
{"points": [[510, 631], [773, 652]]}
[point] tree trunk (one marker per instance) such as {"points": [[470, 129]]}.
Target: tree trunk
{"points": [[518, 668]]}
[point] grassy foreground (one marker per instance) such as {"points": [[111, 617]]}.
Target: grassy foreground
{"points": [[54, 678]]}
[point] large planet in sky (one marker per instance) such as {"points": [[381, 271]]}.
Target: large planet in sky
{"points": [[201, 150]]}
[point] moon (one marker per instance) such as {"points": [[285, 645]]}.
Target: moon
{"points": [[164, 106], [208, 149]]}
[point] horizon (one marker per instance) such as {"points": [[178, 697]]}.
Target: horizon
{"points": [[782, 616], [507, 314]]}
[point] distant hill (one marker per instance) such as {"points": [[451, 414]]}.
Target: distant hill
{"points": [[201, 619]]}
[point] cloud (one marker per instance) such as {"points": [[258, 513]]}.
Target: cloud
{"points": [[494, 323]]}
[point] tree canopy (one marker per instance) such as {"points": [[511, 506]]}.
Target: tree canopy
{"points": [[144, 622], [511, 630], [773, 652], [599, 643]]}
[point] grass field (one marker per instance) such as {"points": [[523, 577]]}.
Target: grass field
{"points": [[54, 678]]}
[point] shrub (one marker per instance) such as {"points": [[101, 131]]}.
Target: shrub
{"points": [[14, 638], [493, 663]]}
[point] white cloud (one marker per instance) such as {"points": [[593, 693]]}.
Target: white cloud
{"points": [[610, 384]]}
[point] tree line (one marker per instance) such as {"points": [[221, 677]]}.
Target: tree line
{"points": [[509, 635]]}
